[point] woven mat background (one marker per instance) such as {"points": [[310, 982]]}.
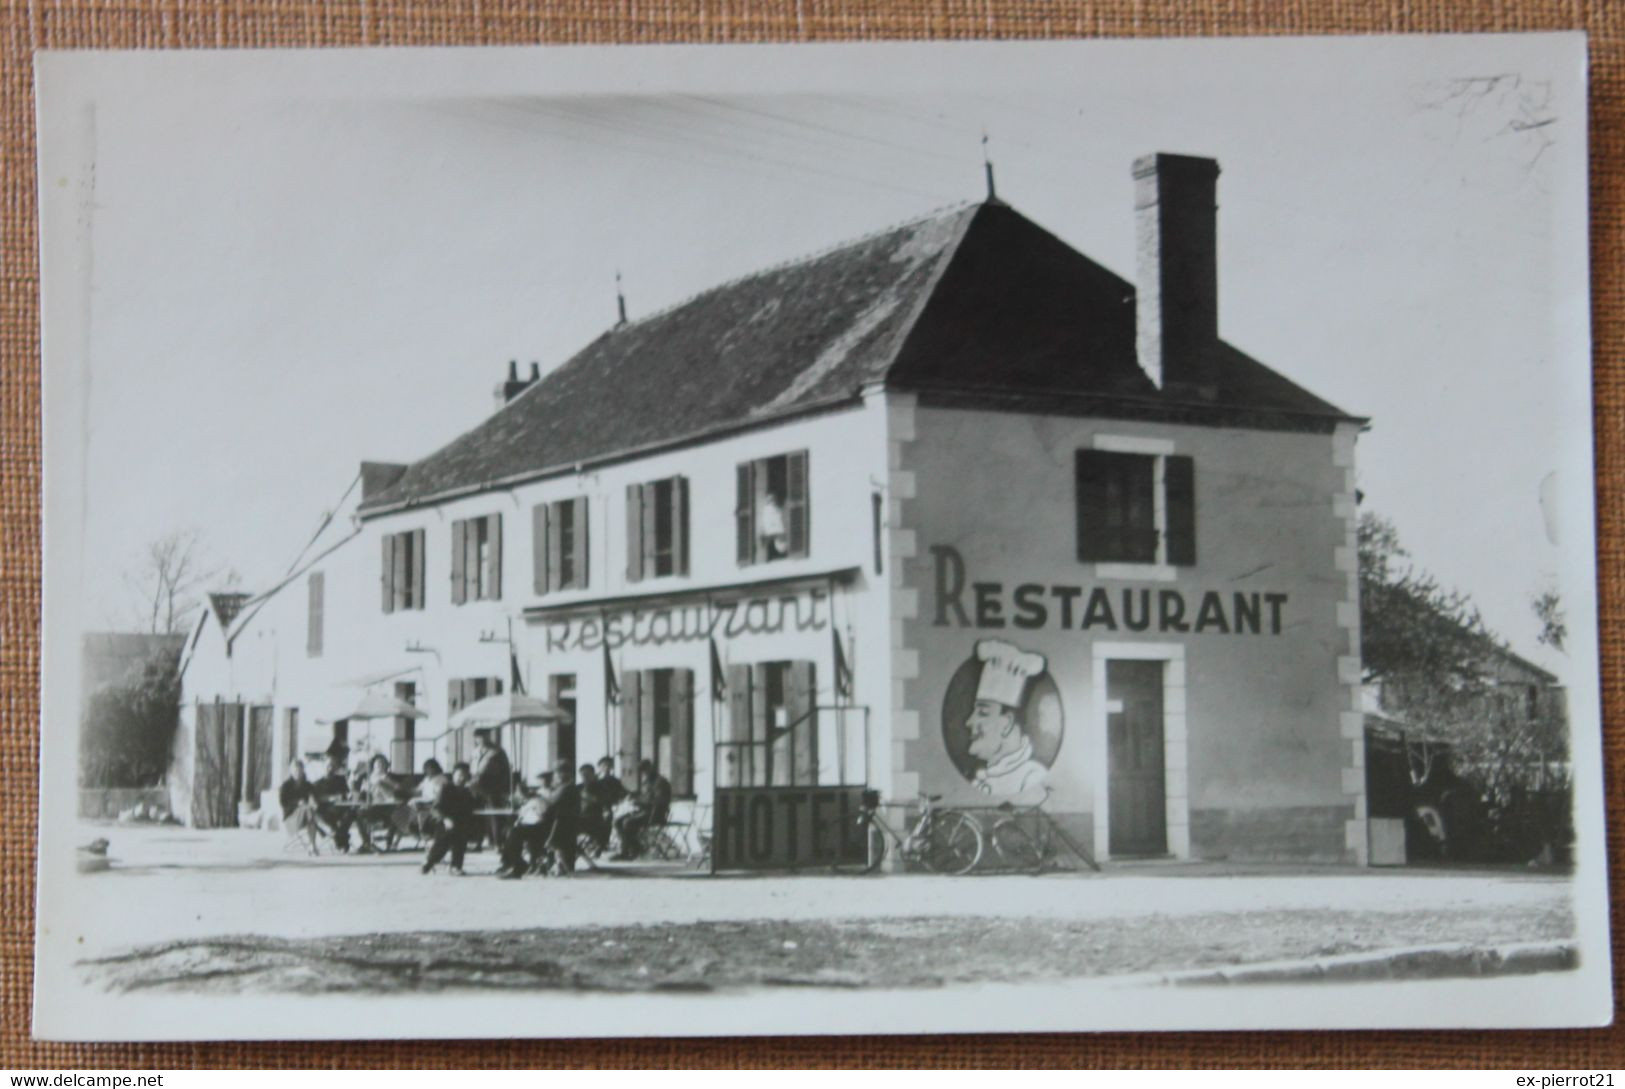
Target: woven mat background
{"points": [[125, 24]]}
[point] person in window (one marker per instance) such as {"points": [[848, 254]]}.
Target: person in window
{"points": [[492, 771], [770, 525], [454, 816], [650, 807]]}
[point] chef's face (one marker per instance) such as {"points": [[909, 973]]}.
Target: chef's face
{"points": [[992, 730]]}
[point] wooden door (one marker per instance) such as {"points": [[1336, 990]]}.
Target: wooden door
{"points": [[1136, 790], [257, 756]]}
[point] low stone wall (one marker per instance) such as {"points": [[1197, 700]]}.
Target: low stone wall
{"points": [[1306, 833], [106, 803]]}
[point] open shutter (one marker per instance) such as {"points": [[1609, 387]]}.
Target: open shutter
{"points": [[633, 695], [459, 559], [454, 696], [679, 525], [682, 732], [313, 637], [419, 566], [578, 530], [651, 529], [736, 759], [635, 530], [387, 579], [1179, 482], [493, 570], [797, 508], [800, 697], [761, 729], [648, 727], [403, 570], [541, 548], [1094, 537], [745, 512]]}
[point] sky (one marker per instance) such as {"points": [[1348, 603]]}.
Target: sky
{"points": [[298, 266]]}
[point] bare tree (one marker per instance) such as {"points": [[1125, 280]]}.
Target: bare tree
{"points": [[167, 586]]}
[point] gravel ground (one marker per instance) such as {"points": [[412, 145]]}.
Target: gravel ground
{"points": [[920, 951]]}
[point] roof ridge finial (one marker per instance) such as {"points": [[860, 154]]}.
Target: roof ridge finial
{"points": [[620, 299], [987, 168]]}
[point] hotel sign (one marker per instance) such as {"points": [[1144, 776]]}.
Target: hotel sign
{"points": [[787, 828]]}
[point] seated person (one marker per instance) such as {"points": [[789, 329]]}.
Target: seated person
{"points": [[330, 788], [383, 795], [529, 832], [600, 793], [434, 778], [651, 805], [454, 818], [298, 798]]}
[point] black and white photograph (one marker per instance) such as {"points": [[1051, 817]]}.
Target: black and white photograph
{"points": [[900, 538]]}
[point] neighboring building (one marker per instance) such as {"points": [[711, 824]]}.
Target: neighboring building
{"points": [[948, 509]]}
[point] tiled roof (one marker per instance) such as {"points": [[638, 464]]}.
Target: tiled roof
{"points": [[973, 299]]}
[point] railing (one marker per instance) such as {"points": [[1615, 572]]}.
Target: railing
{"points": [[828, 745]]}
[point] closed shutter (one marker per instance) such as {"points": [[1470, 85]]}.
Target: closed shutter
{"points": [[1179, 477], [541, 547], [736, 758], [632, 698], [635, 530], [313, 638], [800, 698], [745, 512], [679, 525], [419, 570], [797, 508], [493, 570], [682, 732], [459, 557], [387, 579], [578, 530]]}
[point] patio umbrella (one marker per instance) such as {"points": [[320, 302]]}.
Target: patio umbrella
{"points": [[508, 707], [378, 705]]}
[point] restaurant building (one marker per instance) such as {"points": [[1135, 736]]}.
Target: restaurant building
{"points": [[948, 509]]}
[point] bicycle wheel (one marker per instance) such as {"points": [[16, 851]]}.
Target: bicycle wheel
{"points": [[1018, 846], [875, 847], [953, 844]]}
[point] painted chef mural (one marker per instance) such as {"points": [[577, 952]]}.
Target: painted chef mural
{"points": [[1002, 721]]}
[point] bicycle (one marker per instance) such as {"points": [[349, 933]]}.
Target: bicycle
{"points": [[1026, 838], [945, 841]]}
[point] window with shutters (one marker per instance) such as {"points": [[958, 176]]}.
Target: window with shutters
{"points": [[772, 730], [657, 529], [771, 508], [313, 636], [1136, 508], [559, 538], [476, 559], [403, 570], [657, 724]]}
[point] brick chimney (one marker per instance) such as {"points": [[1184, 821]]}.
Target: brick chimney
{"points": [[514, 386], [1177, 296]]}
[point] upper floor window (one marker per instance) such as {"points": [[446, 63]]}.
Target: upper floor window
{"points": [[1136, 508], [657, 528], [317, 587], [476, 559], [403, 570], [771, 510], [560, 544]]}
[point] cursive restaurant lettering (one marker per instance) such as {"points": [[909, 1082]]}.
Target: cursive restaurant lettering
{"points": [[965, 604], [658, 626]]}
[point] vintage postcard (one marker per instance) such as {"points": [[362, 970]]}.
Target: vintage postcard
{"points": [[901, 538]]}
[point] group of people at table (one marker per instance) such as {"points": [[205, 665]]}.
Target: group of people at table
{"points": [[537, 828]]}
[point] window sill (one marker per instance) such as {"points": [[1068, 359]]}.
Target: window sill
{"points": [[1137, 572]]}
